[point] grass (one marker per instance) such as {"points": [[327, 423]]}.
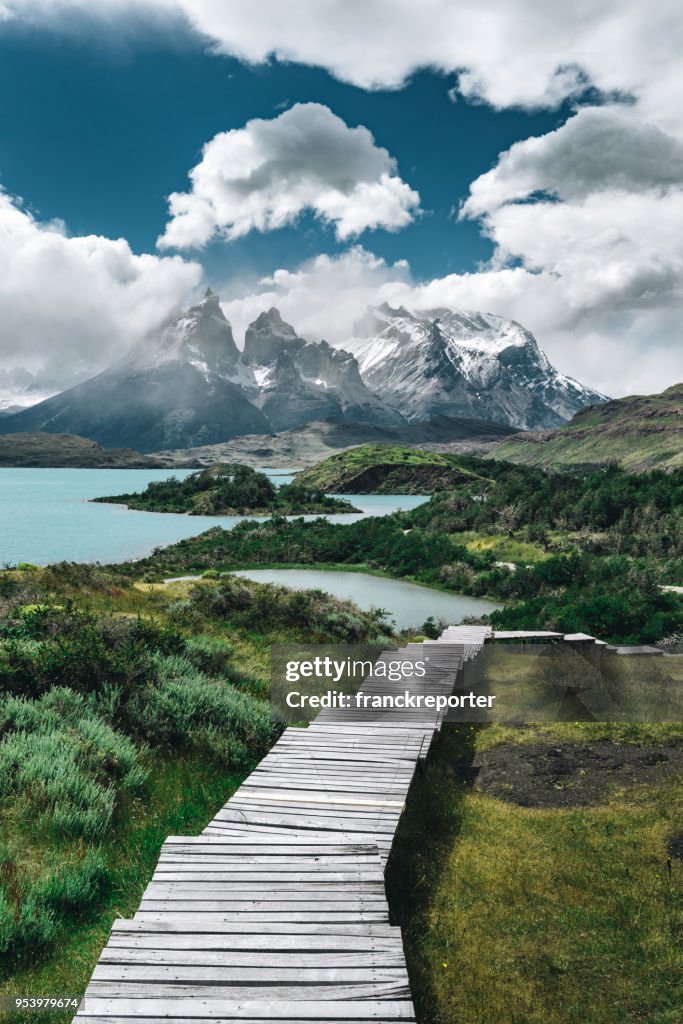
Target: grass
{"points": [[519, 916], [503, 548], [340, 469], [639, 432]]}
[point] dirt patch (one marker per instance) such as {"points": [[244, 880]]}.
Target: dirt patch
{"points": [[675, 847], [569, 775]]}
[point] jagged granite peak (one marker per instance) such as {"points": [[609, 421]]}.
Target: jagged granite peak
{"points": [[299, 380], [177, 390], [189, 386], [266, 337], [463, 363], [200, 336]]}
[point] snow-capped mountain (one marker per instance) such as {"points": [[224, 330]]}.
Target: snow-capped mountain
{"points": [[463, 364], [191, 386], [298, 381]]}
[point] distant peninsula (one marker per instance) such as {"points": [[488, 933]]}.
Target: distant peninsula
{"points": [[40, 450], [224, 490]]}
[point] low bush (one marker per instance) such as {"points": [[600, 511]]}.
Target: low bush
{"points": [[43, 645], [31, 910], [185, 707], [59, 757], [210, 654], [310, 613]]}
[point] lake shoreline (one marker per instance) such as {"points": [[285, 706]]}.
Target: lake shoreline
{"points": [[357, 567], [256, 513], [401, 597]]}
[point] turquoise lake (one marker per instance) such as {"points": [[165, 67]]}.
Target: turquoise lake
{"points": [[45, 515]]}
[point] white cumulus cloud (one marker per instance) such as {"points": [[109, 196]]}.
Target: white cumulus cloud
{"points": [[599, 149], [76, 303], [528, 53], [263, 176], [607, 225]]}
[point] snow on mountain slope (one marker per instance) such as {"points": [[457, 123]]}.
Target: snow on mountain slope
{"points": [[463, 363]]}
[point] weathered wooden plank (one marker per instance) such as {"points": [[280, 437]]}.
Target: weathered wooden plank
{"points": [[263, 974], [253, 959], [221, 1011], [199, 924], [377, 990], [262, 916], [86, 1018]]}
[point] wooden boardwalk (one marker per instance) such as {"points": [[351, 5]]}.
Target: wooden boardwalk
{"points": [[277, 911]]}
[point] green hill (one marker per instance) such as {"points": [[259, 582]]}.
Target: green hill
{"points": [[639, 432], [386, 469]]}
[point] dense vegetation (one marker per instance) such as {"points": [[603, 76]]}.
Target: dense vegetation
{"points": [[387, 469], [105, 689], [588, 552], [229, 490]]}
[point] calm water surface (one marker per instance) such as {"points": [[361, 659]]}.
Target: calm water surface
{"points": [[45, 515], [408, 604]]}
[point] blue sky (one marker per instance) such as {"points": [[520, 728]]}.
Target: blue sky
{"points": [[123, 122], [498, 155]]}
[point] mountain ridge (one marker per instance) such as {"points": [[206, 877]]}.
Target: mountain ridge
{"points": [[190, 386], [463, 363]]}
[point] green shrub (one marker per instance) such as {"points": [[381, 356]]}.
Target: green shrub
{"points": [[261, 606], [31, 910], [65, 762], [185, 707], [75, 888], [209, 654], [46, 645]]}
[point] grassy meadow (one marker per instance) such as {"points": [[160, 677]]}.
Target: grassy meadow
{"points": [[518, 914]]}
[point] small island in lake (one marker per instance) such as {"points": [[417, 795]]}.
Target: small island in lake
{"points": [[230, 489]]}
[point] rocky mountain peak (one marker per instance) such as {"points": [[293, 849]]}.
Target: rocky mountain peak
{"points": [[266, 337], [200, 336], [462, 363]]}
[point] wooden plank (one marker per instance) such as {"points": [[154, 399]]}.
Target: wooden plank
{"points": [[251, 930], [177, 992], [253, 959], [305, 973], [158, 1011]]}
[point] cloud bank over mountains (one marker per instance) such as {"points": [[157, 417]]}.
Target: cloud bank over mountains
{"points": [[507, 53], [584, 219]]}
